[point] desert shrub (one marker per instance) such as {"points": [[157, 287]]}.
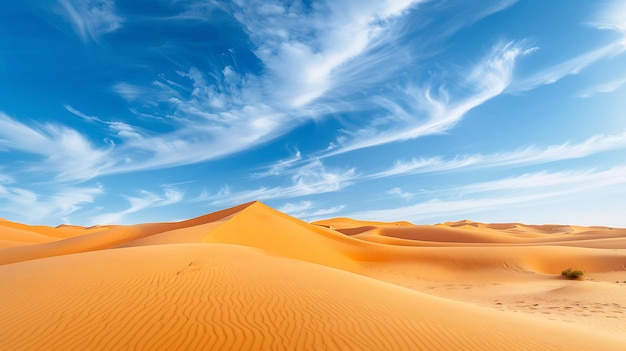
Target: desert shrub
{"points": [[573, 273]]}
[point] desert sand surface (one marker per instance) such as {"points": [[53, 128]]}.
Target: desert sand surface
{"points": [[253, 278]]}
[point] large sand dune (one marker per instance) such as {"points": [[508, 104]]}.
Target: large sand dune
{"points": [[253, 278]]}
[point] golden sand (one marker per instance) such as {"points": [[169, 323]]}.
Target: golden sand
{"points": [[253, 278]]}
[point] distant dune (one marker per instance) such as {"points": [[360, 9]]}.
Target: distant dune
{"points": [[253, 278]]}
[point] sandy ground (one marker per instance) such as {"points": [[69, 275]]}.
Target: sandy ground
{"points": [[252, 278]]}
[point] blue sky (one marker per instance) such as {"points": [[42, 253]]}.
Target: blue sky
{"points": [[128, 111]]}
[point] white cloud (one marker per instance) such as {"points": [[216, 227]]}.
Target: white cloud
{"points": [[128, 91], [426, 165], [136, 204], [122, 130], [521, 157], [30, 206], [310, 179], [220, 117], [572, 66], [528, 191], [307, 210], [572, 180], [298, 207], [425, 111], [604, 88], [303, 47], [400, 193], [78, 113], [451, 208], [612, 17], [145, 200], [70, 200], [65, 152], [280, 167], [91, 18], [171, 196]]}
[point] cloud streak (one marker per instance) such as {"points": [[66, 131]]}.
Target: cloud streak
{"points": [[604, 88], [280, 167], [144, 200], [449, 208], [91, 19], [432, 110], [586, 179], [525, 190], [611, 17], [308, 210], [311, 179], [518, 158], [302, 48], [572, 66], [33, 206], [65, 152], [398, 192]]}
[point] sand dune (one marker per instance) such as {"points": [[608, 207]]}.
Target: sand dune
{"points": [[217, 296], [250, 277]]}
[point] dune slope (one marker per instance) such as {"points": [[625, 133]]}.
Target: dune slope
{"points": [[216, 296], [250, 277]]}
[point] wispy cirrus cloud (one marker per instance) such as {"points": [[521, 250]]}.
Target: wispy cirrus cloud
{"points": [[280, 167], [398, 192], [144, 199], [450, 208], [310, 179], [527, 156], [201, 135], [582, 179], [302, 46], [572, 66], [33, 206], [90, 19], [65, 152], [433, 109], [82, 115], [132, 92], [308, 210], [604, 88], [532, 189], [611, 16]]}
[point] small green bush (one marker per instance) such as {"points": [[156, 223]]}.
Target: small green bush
{"points": [[573, 273]]}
